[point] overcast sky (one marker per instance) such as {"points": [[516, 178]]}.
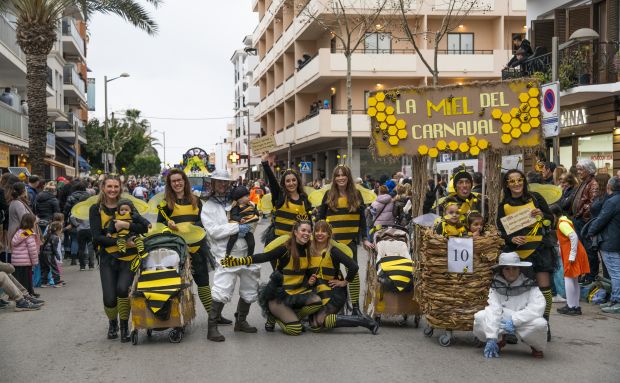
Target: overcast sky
{"points": [[182, 72]]}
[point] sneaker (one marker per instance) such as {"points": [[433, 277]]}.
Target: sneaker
{"points": [[25, 305], [35, 300], [537, 354], [563, 310], [572, 311], [558, 299], [3, 304], [36, 295], [614, 309], [45, 285], [82, 268], [606, 304], [58, 285]]}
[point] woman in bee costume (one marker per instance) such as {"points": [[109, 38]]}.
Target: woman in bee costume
{"points": [[533, 243], [115, 267], [343, 207], [179, 207], [326, 256], [288, 198]]}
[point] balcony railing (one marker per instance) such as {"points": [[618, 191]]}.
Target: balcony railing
{"points": [[70, 29], [51, 140], [8, 37], [12, 122], [69, 125], [580, 64], [71, 76]]}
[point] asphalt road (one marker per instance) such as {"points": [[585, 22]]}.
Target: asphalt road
{"points": [[65, 342]]}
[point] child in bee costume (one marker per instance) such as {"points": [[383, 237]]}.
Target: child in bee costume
{"points": [[214, 218], [516, 307]]}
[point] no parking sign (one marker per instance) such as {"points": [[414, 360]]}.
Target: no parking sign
{"points": [[550, 107]]}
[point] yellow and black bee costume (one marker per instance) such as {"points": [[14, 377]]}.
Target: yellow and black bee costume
{"points": [[115, 267], [184, 212]]}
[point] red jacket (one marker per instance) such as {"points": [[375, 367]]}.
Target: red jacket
{"points": [[25, 248]]}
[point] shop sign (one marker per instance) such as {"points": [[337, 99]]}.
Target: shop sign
{"points": [[573, 117], [466, 119], [5, 156]]}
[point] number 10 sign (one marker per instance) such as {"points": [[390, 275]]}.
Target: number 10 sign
{"points": [[460, 255]]}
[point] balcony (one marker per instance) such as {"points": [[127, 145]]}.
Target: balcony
{"points": [[12, 59], [66, 130], [73, 83], [13, 126], [72, 41], [252, 96], [50, 144]]}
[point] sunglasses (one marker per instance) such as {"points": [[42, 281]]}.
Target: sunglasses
{"points": [[516, 181]]}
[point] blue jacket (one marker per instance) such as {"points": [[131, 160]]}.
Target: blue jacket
{"points": [[607, 224]]}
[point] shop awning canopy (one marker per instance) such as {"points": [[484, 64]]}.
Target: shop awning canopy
{"points": [[83, 163]]}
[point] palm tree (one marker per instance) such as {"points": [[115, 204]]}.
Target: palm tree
{"points": [[37, 25]]}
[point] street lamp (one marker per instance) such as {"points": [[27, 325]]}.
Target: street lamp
{"points": [[105, 121], [163, 134]]}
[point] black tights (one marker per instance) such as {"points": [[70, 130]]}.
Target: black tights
{"points": [[116, 279]]}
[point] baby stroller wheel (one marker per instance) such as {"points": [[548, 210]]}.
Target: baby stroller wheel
{"points": [[416, 321], [134, 337], [149, 333], [428, 331], [175, 335], [445, 340], [378, 319], [403, 321]]}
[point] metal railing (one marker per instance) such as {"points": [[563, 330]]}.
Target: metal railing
{"points": [[12, 122], [71, 76], [69, 127], [70, 29], [411, 51], [8, 37], [465, 51]]}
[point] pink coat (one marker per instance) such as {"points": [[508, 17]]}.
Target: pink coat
{"points": [[25, 248], [383, 206]]}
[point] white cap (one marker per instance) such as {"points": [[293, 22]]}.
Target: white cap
{"points": [[511, 259], [221, 175]]}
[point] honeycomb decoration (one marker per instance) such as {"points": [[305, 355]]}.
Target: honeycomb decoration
{"points": [[519, 120], [391, 129]]}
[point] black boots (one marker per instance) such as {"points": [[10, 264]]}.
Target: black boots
{"points": [[125, 331], [223, 321], [212, 332], [241, 324], [113, 329], [356, 310], [357, 321]]}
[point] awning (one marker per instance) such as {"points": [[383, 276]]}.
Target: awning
{"points": [[83, 163], [57, 164]]}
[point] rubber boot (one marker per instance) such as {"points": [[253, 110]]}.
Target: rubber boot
{"points": [[357, 321], [241, 324], [223, 321], [356, 310], [212, 332], [113, 329], [125, 331]]}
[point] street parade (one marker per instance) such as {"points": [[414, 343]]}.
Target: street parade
{"points": [[356, 216]]}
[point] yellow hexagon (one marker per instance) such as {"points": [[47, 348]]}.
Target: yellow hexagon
{"points": [[533, 102], [392, 130], [523, 97], [372, 101], [483, 144], [506, 118], [534, 112], [533, 92], [423, 149], [514, 112], [506, 138], [393, 140], [380, 96], [496, 114], [524, 107], [389, 110], [402, 134], [525, 128], [380, 116], [401, 124], [534, 122], [380, 107], [524, 117], [391, 120], [372, 111], [515, 122], [463, 147], [433, 152], [474, 150], [473, 141], [516, 133], [383, 125], [506, 128], [442, 145], [453, 145]]}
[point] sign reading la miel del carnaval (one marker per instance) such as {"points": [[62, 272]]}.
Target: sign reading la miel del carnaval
{"points": [[470, 118]]}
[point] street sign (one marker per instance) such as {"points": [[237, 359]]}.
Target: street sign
{"points": [[550, 108], [305, 168]]}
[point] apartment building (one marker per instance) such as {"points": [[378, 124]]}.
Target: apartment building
{"points": [[589, 63], [224, 148], [301, 73], [246, 98], [66, 91]]}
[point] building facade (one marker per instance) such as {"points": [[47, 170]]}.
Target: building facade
{"points": [[302, 70]]}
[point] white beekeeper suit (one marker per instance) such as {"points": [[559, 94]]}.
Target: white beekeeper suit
{"points": [[215, 221], [522, 302]]}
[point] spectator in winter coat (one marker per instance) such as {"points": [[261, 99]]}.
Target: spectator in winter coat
{"points": [[607, 226], [382, 208], [25, 251], [46, 203], [79, 194], [33, 189], [18, 207]]}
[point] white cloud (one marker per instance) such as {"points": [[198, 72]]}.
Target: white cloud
{"points": [[184, 71]]}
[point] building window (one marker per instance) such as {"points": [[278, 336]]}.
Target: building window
{"points": [[460, 43], [376, 42]]}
